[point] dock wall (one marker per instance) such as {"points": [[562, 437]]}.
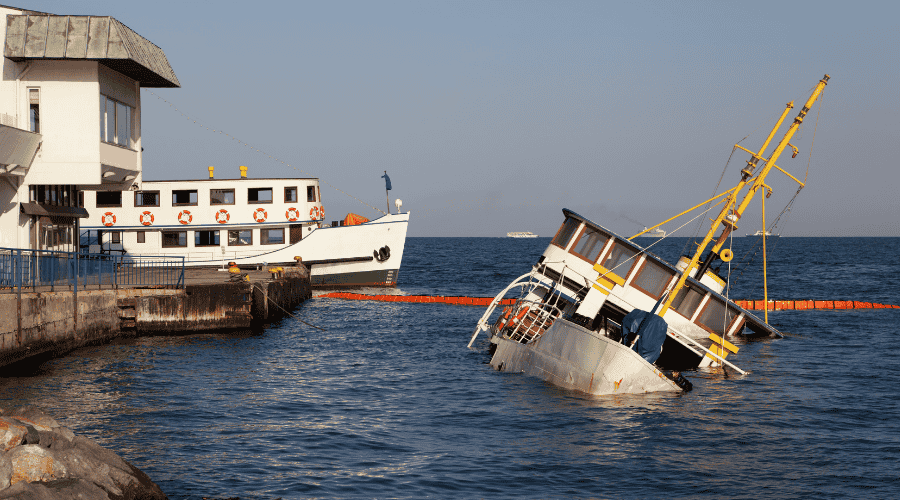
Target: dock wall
{"points": [[50, 324]]}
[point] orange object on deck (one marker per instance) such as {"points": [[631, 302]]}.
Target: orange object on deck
{"points": [[354, 220]]}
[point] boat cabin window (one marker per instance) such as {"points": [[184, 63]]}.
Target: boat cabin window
{"points": [[311, 194], [174, 239], [146, 198], [687, 301], [565, 232], [184, 197], [142, 236], [620, 259], [109, 198], [271, 236], [589, 244], [714, 318], [221, 196], [259, 195], [290, 194], [240, 237], [652, 278], [206, 238], [115, 237]]}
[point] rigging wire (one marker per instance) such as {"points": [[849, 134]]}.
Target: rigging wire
{"points": [[250, 146]]}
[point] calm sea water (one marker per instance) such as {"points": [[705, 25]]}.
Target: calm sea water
{"points": [[388, 402]]}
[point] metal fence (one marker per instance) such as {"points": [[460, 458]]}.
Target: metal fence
{"points": [[50, 270]]}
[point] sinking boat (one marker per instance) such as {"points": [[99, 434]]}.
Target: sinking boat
{"points": [[601, 314]]}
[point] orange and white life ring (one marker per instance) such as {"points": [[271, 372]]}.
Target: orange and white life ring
{"points": [[222, 216], [292, 214], [185, 217], [322, 213], [109, 219], [314, 213], [260, 215], [147, 218]]}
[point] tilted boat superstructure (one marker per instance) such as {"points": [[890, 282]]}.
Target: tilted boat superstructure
{"points": [[590, 312]]}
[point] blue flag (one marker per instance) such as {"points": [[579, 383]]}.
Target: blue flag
{"points": [[387, 182]]}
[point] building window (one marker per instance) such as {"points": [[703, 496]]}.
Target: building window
{"points": [[115, 122], [206, 238], [184, 197], [34, 110], [240, 237], [109, 198], [271, 236], [221, 196], [290, 194], [146, 198], [142, 236], [259, 195], [115, 237], [311, 194], [174, 238], [62, 195]]}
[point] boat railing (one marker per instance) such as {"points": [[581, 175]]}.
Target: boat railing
{"points": [[529, 319], [51, 270]]}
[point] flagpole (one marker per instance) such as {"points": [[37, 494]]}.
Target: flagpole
{"points": [[387, 195]]}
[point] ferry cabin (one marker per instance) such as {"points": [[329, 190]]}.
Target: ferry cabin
{"points": [[599, 277], [207, 221]]}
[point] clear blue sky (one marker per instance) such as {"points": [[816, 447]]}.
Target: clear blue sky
{"points": [[492, 116]]}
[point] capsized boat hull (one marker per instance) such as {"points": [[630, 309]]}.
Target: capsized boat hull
{"points": [[573, 357]]}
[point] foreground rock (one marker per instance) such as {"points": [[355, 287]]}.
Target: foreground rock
{"points": [[39, 459]]}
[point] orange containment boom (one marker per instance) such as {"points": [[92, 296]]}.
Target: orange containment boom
{"points": [[429, 299], [803, 305]]}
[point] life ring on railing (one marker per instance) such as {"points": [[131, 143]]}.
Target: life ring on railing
{"points": [[314, 213], [222, 216], [109, 219], [292, 214], [146, 218], [185, 217], [260, 215], [726, 255]]}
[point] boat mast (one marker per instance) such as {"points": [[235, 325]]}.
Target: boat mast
{"points": [[729, 215]]}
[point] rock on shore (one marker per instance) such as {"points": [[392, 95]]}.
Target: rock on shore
{"points": [[39, 459]]}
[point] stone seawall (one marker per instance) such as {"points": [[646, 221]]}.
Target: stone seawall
{"points": [[50, 324]]}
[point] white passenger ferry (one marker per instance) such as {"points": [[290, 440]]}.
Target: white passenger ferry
{"points": [[252, 222], [521, 234]]}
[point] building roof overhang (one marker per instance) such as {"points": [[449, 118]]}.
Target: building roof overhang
{"points": [[88, 38], [17, 150], [44, 210]]}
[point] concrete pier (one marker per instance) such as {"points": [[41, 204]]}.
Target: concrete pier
{"points": [[50, 324]]}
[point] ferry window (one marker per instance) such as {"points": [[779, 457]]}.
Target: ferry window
{"points": [[240, 237], [259, 195], [716, 316], [687, 301], [115, 122], [652, 279], [142, 236], [115, 237], [290, 194], [311, 194], [146, 198], [206, 238], [174, 238], [221, 196], [271, 236], [34, 110], [109, 198], [184, 197], [565, 232], [589, 244], [620, 259]]}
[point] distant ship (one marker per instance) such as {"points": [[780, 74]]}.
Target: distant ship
{"points": [[656, 233], [760, 233], [521, 234]]}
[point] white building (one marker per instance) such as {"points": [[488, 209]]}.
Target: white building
{"points": [[70, 120]]}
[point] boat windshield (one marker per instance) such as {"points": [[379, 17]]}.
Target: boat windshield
{"points": [[590, 243], [565, 232]]}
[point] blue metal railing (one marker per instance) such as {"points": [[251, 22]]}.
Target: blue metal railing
{"points": [[23, 268]]}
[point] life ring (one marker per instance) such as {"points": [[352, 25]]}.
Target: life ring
{"points": [[146, 218], [726, 255], [292, 214], [322, 213], [314, 213], [185, 217], [109, 219], [222, 216], [260, 215]]}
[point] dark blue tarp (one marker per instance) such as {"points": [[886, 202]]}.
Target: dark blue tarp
{"points": [[652, 331], [387, 182]]}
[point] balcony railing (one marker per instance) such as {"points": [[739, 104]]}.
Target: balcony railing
{"points": [[45, 270]]}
